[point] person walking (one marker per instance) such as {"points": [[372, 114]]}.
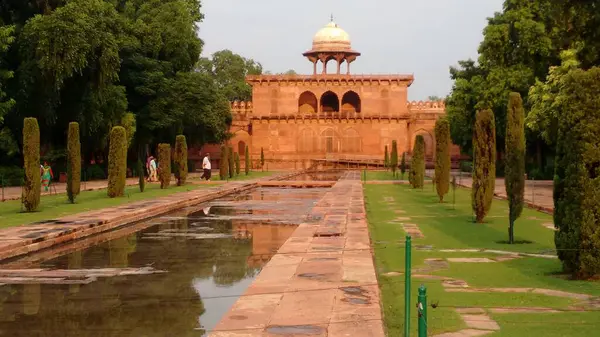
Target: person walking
{"points": [[206, 167], [153, 176], [47, 176]]}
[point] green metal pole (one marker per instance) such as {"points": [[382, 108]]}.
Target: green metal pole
{"points": [[422, 310], [407, 278]]}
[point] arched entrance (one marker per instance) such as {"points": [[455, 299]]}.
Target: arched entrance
{"points": [[330, 102], [351, 102], [307, 103], [351, 142], [242, 148], [329, 141]]}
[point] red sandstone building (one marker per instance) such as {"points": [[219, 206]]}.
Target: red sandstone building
{"points": [[298, 118]]}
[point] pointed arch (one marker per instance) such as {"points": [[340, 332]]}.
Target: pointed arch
{"points": [[307, 141], [307, 103], [329, 141], [351, 141], [330, 102], [351, 102]]}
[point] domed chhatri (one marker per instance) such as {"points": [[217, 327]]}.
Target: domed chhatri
{"points": [[331, 43]]}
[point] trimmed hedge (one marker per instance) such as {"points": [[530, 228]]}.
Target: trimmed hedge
{"points": [[181, 161], [164, 165], [237, 164], [403, 164], [484, 158], [577, 177], [31, 157], [224, 163], [117, 162], [386, 158], [231, 164], [417, 165], [394, 158], [514, 160], [73, 162], [442, 157], [247, 161], [262, 158]]}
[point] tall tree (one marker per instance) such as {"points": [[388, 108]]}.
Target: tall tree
{"points": [[394, 158], [442, 157], [484, 157], [164, 164], [417, 164], [180, 157], [224, 163], [247, 161], [6, 39], [229, 71], [403, 164], [515, 161], [32, 183], [117, 162], [577, 176], [73, 162], [386, 158]]}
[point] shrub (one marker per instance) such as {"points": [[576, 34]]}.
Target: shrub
{"points": [[484, 158], [129, 123], [403, 164], [247, 161], [262, 159], [31, 157], [577, 175], [394, 157], [237, 164], [442, 157], [141, 177], [164, 165], [11, 176], [224, 163], [73, 162], [514, 160], [386, 158], [117, 162], [231, 164], [466, 166], [95, 172], [417, 165], [181, 161]]}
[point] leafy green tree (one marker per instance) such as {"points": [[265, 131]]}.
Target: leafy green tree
{"points": [[386, 158], [164, 165], [394, 158], [484, 158], [442, 157], [31, 158], [224, 163], [73, 162], [247, 161], [237, 164], [577, 176], [6, 39], [117, 162], [515, 161], [417, 164], [128, 122], [231, 164], [181, 160], [403, 164], [262, 158], [229, 70]]}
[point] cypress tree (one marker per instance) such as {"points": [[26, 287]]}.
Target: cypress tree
{"points": [[247, 161], [237, 164], [386, 158], [403, 164], [117, 162], [417, 165], [73, 162], [442, 157], [577, 175], [394, 158], [224, 163], [164, 165], [514, 171], [484, 163], [31, 158], [181, 160], [262, 159], [231, 165], [140, 169]]}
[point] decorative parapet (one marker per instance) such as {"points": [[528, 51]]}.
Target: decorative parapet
{"points": [[241, 110], [414, 106], [331, 78]]}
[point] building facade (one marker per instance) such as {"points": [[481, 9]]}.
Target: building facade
{"points": [[297, 118]]}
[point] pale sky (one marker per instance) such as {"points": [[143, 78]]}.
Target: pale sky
{"points": [[420, 37]]}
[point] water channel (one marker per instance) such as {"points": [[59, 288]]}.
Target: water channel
{"points": [[210, 254]]}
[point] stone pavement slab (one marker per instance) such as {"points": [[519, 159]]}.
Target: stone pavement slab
{"points": [[316, 285]]}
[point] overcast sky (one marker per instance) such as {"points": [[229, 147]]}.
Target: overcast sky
{"points": [[420, 37]]}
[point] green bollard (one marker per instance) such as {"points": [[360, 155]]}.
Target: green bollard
{"points": [[422, 311], [407, 278]]}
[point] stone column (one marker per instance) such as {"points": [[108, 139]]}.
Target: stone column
{"points": [[315, 66]]}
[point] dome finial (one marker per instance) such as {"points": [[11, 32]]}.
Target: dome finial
{"points": [[331, 17]]}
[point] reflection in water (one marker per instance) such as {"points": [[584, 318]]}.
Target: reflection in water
{"points": [[318, 176], [162, 304]]}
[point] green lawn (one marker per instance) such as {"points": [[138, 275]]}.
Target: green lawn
{"points": [[55, 206], [243, 176], [450, 226]]}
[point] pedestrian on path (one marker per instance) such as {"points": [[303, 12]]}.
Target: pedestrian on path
{"points": [[47, 175], [153, 176], [206, 167]]}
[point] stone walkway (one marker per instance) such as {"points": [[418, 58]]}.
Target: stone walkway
{"points": [[32, 237], [322, 281]]}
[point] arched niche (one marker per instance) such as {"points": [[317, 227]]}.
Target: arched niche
{"points": [[307, 141], [329, 141], [351, 102], [351, 141], [330, 102], [307, 103]]}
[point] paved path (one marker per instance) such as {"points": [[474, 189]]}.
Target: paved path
{"points": [[321, 282], [20, 240], [14, 193], [538, 194]]}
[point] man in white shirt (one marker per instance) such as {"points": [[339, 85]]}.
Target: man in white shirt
{"points": [[206, 167], [153, 176]]}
